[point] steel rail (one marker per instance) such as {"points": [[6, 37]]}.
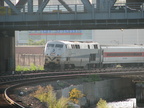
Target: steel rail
{"points": [[12, 102], [18, 77], [31, 81], [57, 77]]}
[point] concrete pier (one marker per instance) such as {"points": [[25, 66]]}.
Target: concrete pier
{"points": [[140, 95], [7, 51]]}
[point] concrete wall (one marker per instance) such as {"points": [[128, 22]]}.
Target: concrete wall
{"points": [[108, 90], [140, 95]]}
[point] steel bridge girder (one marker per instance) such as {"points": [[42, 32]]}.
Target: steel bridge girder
{"points": [[42, 6], [87, 5], [12, 6]]}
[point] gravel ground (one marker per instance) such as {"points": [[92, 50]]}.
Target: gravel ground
{"points": [[22, 94]]}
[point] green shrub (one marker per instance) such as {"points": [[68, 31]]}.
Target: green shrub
{"points": [[19, 68], [31, 68], [91, 78], [74, 95], [47, 94], [102, 104], [33, 42]]}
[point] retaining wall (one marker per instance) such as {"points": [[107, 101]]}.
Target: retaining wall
{"points": [[109, 90], [140, 95]]}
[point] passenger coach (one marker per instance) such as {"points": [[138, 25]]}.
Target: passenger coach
{"points": [[124, 55]]}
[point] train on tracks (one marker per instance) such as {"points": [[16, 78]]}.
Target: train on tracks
{"points": [[89, 55]]}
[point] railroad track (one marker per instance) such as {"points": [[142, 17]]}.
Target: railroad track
{"points": [[16, 104], [18, 77], [17, 80]]}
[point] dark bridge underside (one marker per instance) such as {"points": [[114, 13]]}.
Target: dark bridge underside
{"points": [[134, 1], [81, 24], [133, 6]]}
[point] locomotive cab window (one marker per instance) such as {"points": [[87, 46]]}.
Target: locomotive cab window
{"points": [[59, 45]]}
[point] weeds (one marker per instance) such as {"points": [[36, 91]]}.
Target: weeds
{"points": [[102, 104], [47, 94], [74, 95], [91, 78], [31, 68]]}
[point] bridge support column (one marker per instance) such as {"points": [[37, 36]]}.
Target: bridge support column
{"points": [[7, 52], [140, 95]]}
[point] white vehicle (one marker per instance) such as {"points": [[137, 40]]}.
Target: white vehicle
{"points": [[124, 55], [68, 54]]}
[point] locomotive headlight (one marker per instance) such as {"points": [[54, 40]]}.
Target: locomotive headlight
{"points": [[58, 60]]}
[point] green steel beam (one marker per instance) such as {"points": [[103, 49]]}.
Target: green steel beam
{"points": [[12, 6], [42, 6]]}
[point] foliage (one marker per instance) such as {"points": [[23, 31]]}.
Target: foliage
{"points": [[92, 78], [40, 42], [74, 95], [102, 104], [19, 68], [47, 94], [31, 68]]}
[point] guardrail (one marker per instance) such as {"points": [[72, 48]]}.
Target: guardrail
{"points": [[76, 8]]}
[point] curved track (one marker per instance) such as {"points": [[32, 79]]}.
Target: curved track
{"points": [[3, 101], [18, 80]]}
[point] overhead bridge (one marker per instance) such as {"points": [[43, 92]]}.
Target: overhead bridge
{"points": [[102, 15]]}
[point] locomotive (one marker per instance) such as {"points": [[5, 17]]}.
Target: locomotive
{"points": [[89, 55], [68, 54]]}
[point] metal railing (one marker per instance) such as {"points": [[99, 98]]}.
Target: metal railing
{"points": [[76, 8]]}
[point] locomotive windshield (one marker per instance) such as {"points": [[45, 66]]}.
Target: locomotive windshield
{"points": [[59, 45], [50, 45]]}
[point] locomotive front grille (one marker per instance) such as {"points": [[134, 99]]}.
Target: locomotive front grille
{"points": [[55, 60]]}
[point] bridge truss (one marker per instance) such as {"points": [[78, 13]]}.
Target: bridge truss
{"points": [[104, 14]]}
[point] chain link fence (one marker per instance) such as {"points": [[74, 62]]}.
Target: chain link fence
{"points": [[28, 59]]}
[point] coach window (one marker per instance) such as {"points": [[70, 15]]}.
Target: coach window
{"points": [[95, 47]]}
